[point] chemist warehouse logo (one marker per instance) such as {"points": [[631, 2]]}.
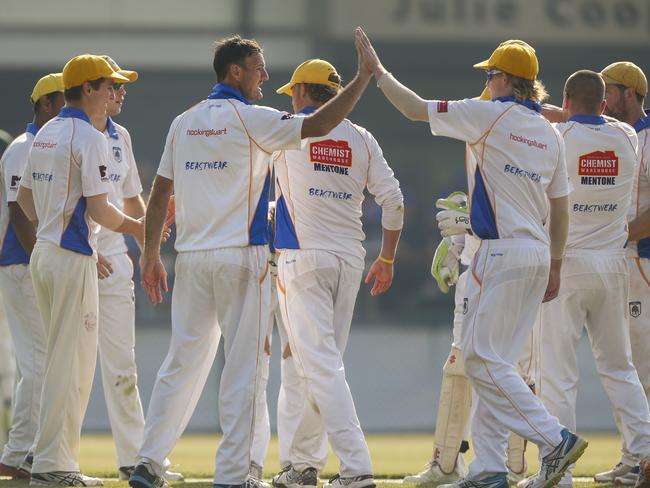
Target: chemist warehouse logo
{"points": [[331, 156], [598, 168]]}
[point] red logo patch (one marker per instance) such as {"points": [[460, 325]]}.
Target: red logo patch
{"points": [[443, 106], [598, 163], [331, 152]]}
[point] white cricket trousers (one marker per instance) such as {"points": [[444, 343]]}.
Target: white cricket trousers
{"points": [[318, 290], [117, 359], [28, 335], [216, 292], [639, 323], [507, 281], [65, 283], [262, 434], [593, 295], [307, 445]]}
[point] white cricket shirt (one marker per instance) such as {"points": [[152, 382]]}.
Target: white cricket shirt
{"points": [[124, 181], [12, 166], [641, 190], [319, 192], [218, 153], [601, 162], [68, 162], [515, 162]]}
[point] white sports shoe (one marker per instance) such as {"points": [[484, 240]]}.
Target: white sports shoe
{"points": [[617, 471], [433, 476], [292, 478], [63, 478], [555, 463], [255, 470], [363, 481]]}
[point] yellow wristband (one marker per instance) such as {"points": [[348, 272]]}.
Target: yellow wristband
{"points": [[384, 260]]}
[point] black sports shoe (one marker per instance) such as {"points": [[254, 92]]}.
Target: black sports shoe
{"points": [[144, 476]]}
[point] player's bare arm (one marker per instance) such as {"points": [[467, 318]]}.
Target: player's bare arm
{"points": [[412, 106], [553, 113], [25, 230], [558, 232], [26, 201], [154, 275], [639, 228], [106, 214], [333, 112], [382, 269]]}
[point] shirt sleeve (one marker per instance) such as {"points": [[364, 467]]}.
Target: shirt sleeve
{"points": [[559, 185], [271, 129], [132, 184], [383, 185], [92, 157], [26, 179], [13, 166], [466, 120], [644, 152], [166, 166]]}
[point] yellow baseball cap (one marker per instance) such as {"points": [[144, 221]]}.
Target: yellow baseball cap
{"points": [[48, 84], [131, 75], [513, 57], [88, 67], [316, 71], [626, 74]]}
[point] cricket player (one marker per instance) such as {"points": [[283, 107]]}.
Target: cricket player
{"points": [[320, 191], [18, 238], [518, 183], [65, 189], [601, 160], [626, 87], [457, 248], [116, 336], [217, 163], [7, 361]]}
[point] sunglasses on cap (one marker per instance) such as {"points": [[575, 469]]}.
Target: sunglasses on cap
{"points": [[491, 73]]}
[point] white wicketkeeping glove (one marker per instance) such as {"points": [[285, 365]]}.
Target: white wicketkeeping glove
{"points": [[445, 266], [453, 219]]}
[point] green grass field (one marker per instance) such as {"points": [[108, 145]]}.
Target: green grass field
{"points": [[393, 456]]}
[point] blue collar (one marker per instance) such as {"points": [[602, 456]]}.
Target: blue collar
{"points": [[110, 128], [588, 119], [307, 110], [642, 123], [222, 91], [71, 112], [526, 103], [32, 128]]}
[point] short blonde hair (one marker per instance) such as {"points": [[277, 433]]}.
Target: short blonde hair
{"points": [[524, 89]]}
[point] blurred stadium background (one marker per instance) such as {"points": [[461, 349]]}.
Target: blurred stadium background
{"points": [[399, 341]]}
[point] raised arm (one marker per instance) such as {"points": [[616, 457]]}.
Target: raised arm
{"points": [[405, 100], [333, 112]]}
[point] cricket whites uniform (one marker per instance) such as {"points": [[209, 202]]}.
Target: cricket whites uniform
{"points": [[638, 261], [117, 307], [601, 162], [318, 229], [515, 162], [25, 322], [218, 155], [67, 163]]}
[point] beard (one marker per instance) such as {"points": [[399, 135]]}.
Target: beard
{"points": [[619, 113]]}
